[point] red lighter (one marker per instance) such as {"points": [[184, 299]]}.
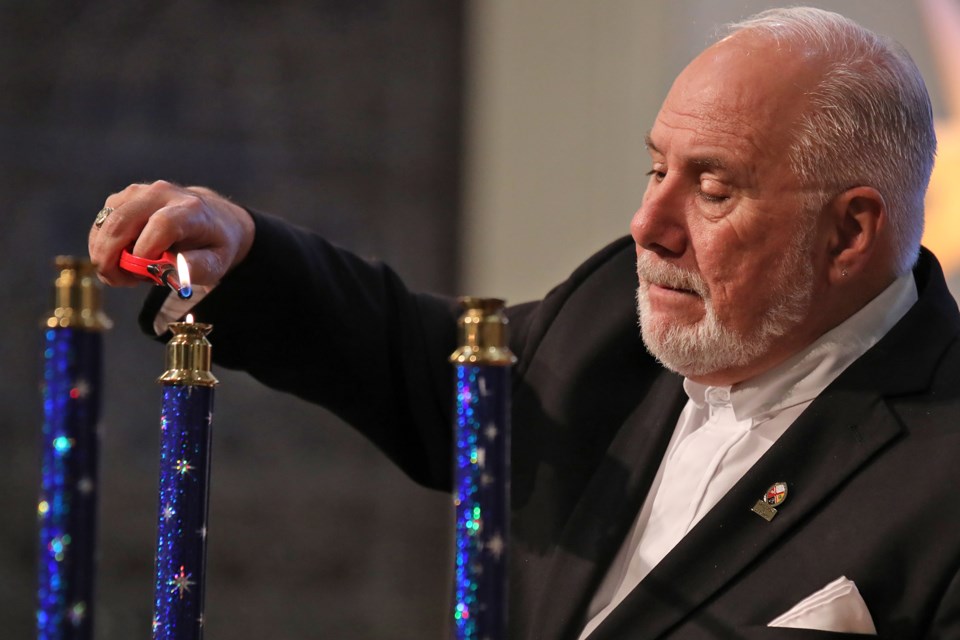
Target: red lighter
{"points": [[162, 271]]}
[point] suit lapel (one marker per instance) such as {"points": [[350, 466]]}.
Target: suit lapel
{"points": [[600, 521], [837, 435]]}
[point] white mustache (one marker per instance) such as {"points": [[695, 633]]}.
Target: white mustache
{"points": [[664, 274]]}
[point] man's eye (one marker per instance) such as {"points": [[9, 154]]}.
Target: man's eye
{"points": [[711, 191], [709, 197], [657, 174]]}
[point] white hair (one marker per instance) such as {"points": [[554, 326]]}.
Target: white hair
{"points": [[869, 123]]}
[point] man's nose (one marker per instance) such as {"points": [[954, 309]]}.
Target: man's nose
{"points": [[658, 225]]}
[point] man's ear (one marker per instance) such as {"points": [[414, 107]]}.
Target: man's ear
{"points": [[858, 217]]}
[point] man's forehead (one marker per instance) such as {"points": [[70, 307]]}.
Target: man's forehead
{"points": [[712, 143], [722, 109], [743, 80]]}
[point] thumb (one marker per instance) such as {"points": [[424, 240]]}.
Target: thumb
{"points": [[206, 266]]}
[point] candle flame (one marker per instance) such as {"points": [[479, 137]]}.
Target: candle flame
{"points": [[189, 318], [183, 272]]}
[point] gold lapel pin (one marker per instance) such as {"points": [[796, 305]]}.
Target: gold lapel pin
{"points": [[773, 498]]}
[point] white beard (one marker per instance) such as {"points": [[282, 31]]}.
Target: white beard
{"points": [[708, 346]]}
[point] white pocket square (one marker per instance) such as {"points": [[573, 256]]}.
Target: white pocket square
{"points": [[837, 607]]}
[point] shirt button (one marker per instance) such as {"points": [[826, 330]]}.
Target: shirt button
{"points": [[718, 395]]}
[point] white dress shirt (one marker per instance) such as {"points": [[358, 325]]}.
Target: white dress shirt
{"points": [[723, 431]]}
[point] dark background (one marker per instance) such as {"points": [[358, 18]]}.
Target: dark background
{"points": [[341, 115]]}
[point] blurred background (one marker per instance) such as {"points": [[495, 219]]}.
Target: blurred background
{"points": [[483, 147]]}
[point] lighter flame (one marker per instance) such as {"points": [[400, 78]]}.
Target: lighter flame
{"points": [[189, 318], [183, 272]]}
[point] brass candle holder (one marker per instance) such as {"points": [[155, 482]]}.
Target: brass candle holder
{"points": [[188, 357], [77, 297]]}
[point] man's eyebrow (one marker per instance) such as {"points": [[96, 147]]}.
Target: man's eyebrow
{"points": [[648, 143], [710, 162]]}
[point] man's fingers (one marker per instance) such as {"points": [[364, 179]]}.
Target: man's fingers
{"points": [[120, 279], [150, 219], [133, 208], [162, 231]]}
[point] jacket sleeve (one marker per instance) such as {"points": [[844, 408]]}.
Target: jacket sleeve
{"points": [[308, 318], [305, 317]]}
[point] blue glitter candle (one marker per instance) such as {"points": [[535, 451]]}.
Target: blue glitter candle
{"points": [[481, 472], [185, 420], [67, 507]]}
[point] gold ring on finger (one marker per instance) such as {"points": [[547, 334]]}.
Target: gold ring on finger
{"points": [[102, 216]]}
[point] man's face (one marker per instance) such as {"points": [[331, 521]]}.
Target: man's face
{"points": [[725, 254]]}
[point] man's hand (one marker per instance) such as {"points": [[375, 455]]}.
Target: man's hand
{"points": [[212, 233]]}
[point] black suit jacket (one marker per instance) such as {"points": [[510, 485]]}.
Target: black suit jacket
{"points": [[873, 464]]}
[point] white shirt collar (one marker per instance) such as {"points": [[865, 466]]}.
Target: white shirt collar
{"points": [[804, 375]]}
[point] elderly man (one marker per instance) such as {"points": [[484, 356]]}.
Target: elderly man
{"points": [[782, 453]]}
